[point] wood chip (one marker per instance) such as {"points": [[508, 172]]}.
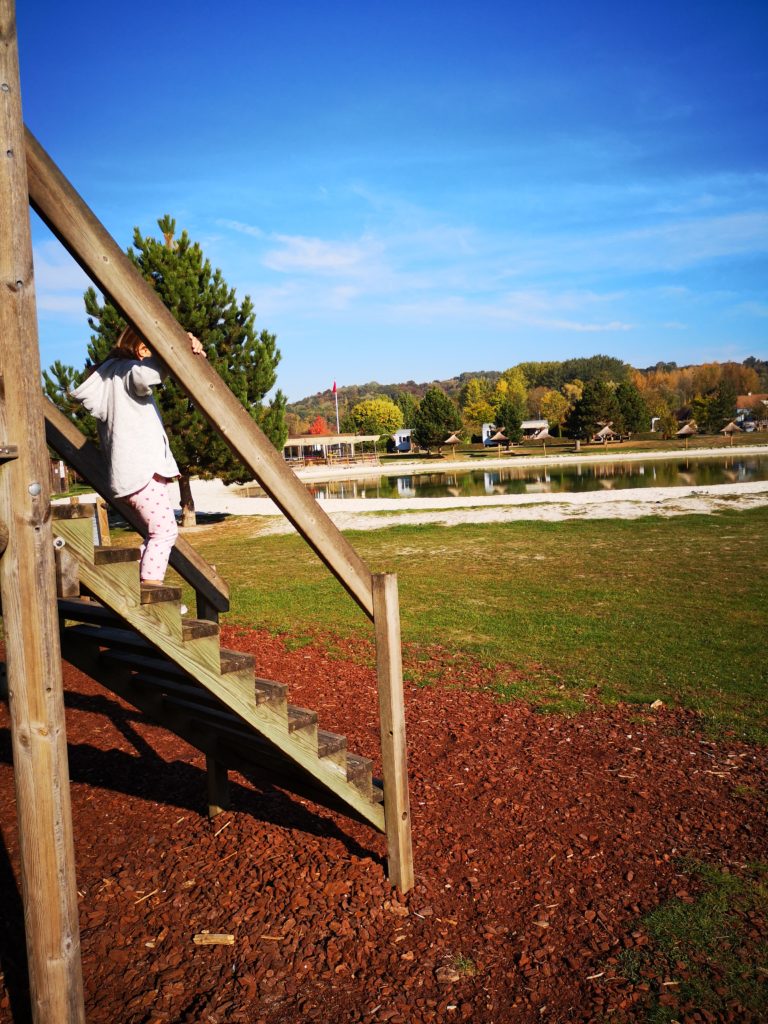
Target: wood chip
{"points": [[213, 939], [142, 898]]}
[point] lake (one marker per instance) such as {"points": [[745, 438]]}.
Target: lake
{"points": [[570, 477]]}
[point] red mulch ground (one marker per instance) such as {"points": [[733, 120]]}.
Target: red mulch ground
{"points": [[538, 842]]}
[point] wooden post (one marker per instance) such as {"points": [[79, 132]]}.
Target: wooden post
{"points": [[27, 581], [102, 523], [217, 773], [389, 670], [218, 786]]}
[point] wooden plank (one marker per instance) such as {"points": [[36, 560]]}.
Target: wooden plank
{"points": [[67, 573], [102, 522], [389, 671], [64, 437], [68, 217], [28, 585]]}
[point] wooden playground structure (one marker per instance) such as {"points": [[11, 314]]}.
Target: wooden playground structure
{"points": [[64, 595]]}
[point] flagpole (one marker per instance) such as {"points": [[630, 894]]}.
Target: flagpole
{"points": [[336, 399]]}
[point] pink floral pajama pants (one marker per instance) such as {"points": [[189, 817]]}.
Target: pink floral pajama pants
{"points": [[154, 506]]}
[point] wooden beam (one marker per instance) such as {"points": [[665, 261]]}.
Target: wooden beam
{"points": [[27, 582], [73, 223], [389, 671], [218, 786], [84, 457]]}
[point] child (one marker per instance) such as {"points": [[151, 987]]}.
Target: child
{"points": [[118, 392]]}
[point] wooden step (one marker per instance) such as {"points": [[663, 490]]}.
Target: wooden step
{"points": [[236, 661], [109, 556], [194, 629], [269, 690], [159, 594], [300, 718], [360, 774]]}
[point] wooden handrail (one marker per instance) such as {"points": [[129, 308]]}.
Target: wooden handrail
{"points": [[86, 459], [80, 232]]}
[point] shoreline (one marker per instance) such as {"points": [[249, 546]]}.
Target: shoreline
{"points": [[213, 498], [505, 461]]}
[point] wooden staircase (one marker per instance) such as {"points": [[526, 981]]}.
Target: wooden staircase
{"points": [[135, 641]]}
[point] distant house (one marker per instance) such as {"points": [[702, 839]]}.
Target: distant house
{"points": [[752, 409], [402, 440], [532, 430], [327, 447]]}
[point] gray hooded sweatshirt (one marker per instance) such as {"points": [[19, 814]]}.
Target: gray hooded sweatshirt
{"points": [[119, 394]]}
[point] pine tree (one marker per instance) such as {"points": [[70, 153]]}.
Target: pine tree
{"points": [[597, 405], [202, 302], [408, 404], [436, 419], [509, 419], [635, 416]]}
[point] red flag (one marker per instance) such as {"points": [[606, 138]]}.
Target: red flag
{"points": [[334, 387]]}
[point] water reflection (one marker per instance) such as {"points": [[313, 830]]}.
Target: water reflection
{"points": [[568, 478]]}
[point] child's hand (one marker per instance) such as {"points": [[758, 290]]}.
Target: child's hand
{"points": [[197, 345]]}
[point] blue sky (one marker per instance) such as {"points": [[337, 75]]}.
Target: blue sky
{"points": [[412, 190]]}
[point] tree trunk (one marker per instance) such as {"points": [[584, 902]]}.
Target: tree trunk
{"points": [[188, 517]]}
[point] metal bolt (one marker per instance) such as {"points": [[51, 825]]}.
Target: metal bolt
{"points": [[34, 489]]}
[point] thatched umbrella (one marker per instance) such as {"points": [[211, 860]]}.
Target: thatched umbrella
{"points": [[687, 430], [605, 434], [730, 429], [500, 438]]}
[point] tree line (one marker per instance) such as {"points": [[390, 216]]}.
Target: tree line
{"points": [[574, 396]]}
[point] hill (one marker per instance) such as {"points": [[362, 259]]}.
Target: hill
{"points": [[322, 403]]}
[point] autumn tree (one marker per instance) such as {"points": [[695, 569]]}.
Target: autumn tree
{"points": [[203, 303], [295, 425], [374, 416], [319, 425], [475, 405], [555, 407]]}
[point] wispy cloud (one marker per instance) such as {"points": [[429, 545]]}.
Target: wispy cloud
{"points": [[242, 228], [299, 254], [59, 281]]}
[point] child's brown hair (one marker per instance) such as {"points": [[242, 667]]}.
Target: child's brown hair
{"points": [[127, 345]]}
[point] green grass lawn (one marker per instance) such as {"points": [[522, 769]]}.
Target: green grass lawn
{"points": [[673, 609]]}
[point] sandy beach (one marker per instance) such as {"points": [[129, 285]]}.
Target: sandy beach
{"points": [[213, 497]]}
